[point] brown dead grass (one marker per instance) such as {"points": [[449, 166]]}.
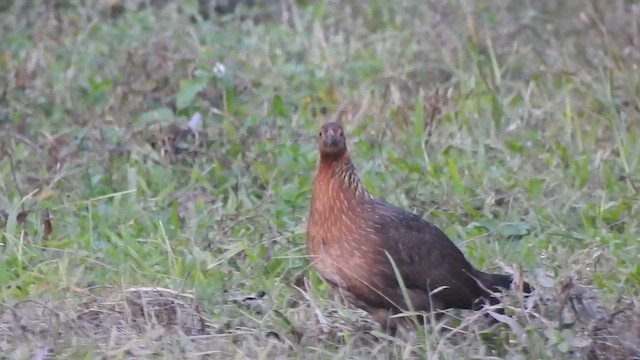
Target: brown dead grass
{"points": [[137, 322]]}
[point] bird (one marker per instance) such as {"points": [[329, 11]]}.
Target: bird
{"points": [[353, 241]]}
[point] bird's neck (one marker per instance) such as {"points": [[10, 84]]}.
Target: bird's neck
{"points": [[339, 175]]}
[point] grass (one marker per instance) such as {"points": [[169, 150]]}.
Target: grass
{"points": [[141, 150]]}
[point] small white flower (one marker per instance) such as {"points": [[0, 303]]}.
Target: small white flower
{"points": [[219, 69], [195, 122]]}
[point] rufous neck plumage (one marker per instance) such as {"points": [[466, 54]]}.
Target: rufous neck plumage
{"points": [[339, 171]]}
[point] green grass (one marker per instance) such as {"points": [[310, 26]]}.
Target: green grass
{"points": [[515, 128]]}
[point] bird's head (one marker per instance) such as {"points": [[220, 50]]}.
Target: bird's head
{"points": [[331, 141]]}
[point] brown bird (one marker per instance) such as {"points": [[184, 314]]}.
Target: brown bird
{"points": [[351, 235]]}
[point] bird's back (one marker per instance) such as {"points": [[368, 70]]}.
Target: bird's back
{"points": [[423, 255]]}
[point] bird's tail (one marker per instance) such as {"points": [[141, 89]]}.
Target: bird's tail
{"points": [[498, 282]]}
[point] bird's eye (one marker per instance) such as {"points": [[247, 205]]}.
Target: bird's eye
{"points": [[320, 134]]}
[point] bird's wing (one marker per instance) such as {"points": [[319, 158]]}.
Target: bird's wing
{"points": [[425, 257]]}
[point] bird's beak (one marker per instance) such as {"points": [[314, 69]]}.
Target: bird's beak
{"points": [[330, 138]]}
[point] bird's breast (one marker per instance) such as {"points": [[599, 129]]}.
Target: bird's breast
{"points": [[343, 250]]}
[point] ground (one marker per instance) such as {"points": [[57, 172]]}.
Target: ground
{"points": [[157, 162]]}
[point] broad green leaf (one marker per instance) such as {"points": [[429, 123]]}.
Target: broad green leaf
{"points": [[161, 113], [188, 91], [277, 107], [488, 224], [516, 229]]}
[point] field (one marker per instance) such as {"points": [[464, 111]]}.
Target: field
{"points": [[156, 166]]}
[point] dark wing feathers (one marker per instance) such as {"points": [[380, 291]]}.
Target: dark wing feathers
{"points": [[426, 258]]}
